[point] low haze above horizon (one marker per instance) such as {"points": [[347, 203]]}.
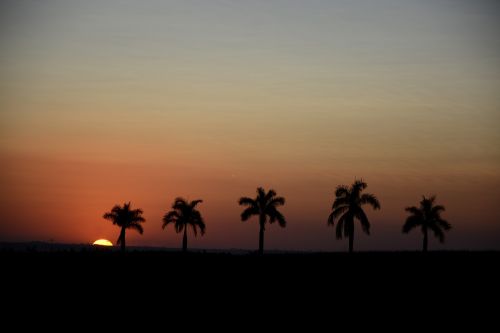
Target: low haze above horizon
{"points": [[106, 102]]}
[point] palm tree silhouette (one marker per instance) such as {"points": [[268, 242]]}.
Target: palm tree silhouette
{"points": [[264, 205], [125, 218], [347, 207], [428, 216], [183, 215]]}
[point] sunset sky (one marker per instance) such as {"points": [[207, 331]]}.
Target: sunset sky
{"points": [[105, 102]]}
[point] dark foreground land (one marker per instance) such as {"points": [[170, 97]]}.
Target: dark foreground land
{"points": [[370, 267], [301, 287]]}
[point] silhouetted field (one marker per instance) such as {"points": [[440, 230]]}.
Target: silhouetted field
{"points": [[289, 279], [87, 260]]}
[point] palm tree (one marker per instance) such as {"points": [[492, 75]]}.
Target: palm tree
{"points": [[264, 205], [125, 218], [427, 216], [348, 206], [183, 215]]}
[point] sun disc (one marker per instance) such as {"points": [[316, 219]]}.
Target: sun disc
{"points": [[103, 242]]}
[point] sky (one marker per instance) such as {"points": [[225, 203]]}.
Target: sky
{"points": [[105, 102]]}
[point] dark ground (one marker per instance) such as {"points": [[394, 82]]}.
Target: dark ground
{"points": [[307, 291], [367, 267]]}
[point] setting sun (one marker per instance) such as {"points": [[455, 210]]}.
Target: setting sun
{"points": [[103, 242]]}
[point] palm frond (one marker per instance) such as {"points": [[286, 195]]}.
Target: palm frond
{"points": [[136, 226], [248, 212], [126, 206], [340, 227], [414, 210], [342, 191], [202, 226], [431, 199], [137, 218], [277, 201], [445, 225], [281, 219], [114, 214], [245, 201], [363, 219], [411, 222], [194, 203], [261, 193], [427, 203], [348, 225], [179, 203], [179, 225], [170, 217], [269, 195], [437, 232], [331, 220], [275, 215], [358, 186], [110, 216], [340, 202], [436, 210], [117, 209], [370, 199], [197, 220], [339, 211]]}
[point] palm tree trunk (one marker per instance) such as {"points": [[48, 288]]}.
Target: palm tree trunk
{"points": [[425, 240], [351, 236], [185, 240], [122, 239], [262, 222], [351, 241]]}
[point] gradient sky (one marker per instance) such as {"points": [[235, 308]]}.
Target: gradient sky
{"points": [[103, 102]]}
